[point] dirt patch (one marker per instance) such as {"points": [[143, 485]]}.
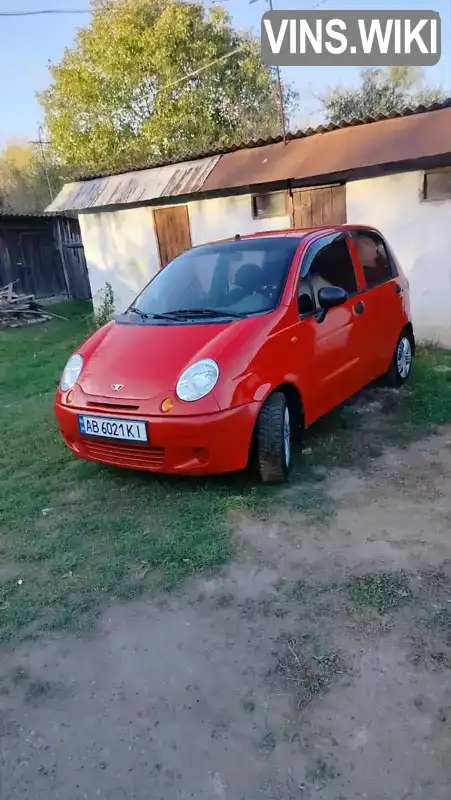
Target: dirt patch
{"points": [[318, 666], [10, 571], [395, 515]]}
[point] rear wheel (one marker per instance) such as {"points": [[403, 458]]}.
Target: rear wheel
{"points": [[401, 365], [274, 439]]}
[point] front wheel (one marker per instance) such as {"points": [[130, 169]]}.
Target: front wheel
{"points": [[274, 439], [401, 365]]}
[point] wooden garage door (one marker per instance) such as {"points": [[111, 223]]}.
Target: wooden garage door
{"points": [[173, 233], [323, 206]]}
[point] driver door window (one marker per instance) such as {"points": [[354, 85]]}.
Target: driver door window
{"points": [[333, 266]]}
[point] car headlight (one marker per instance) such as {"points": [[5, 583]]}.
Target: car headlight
{"points": [[197, 380], [71, 372]]}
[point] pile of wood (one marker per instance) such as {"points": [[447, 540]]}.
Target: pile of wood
{"points": [[19, 309]]}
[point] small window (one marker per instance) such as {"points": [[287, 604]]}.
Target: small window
{"points": [[333, 266], [374, 258], [269, 205], [437, 184], [306, 305]]}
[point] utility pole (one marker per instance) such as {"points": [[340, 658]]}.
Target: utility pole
{"points": [[279, 84], [44, 160]]}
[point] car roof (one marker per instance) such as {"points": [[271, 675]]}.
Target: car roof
{"points": [[299, 233], [294, 233]]}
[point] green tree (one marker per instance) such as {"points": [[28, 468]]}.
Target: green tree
{"points": [[119, 96], [24, 179], [380, 91]]}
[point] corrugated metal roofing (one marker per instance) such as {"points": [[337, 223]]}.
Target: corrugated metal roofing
{"points": [[43, 215], [300, 134], [313, 154], [387, 142], [134, 187]]}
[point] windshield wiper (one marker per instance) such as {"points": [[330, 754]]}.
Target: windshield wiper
{"points": [[204, 312], [136, 310], [143, 314]]}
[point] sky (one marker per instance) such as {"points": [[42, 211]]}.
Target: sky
{"points": [[28, 44]]}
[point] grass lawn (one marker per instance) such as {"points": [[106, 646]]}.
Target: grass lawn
{"points": [[74, 534]]}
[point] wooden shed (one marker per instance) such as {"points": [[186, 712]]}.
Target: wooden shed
{"points": [[43, 255]]}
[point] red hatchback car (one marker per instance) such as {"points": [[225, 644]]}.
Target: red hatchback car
{"points": [[233, 346]]}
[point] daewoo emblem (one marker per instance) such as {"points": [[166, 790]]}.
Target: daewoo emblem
{"points": [[116, 387]]}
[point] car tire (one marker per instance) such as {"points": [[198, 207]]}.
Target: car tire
{"points": [[401, 365], [274, 439]]}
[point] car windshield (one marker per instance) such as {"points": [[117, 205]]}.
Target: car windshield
{"points": [[228, 278]]}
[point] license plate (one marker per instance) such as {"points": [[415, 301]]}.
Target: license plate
{"points": [[129, 430]]}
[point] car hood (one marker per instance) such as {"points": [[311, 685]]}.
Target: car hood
{"points": [[146, 360]]}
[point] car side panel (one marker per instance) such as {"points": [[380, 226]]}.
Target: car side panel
{"points": [[334, 347], [330, 355], [385, 315]]}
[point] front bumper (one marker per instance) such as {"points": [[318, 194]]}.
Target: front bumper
{"points": [[208, 444]]}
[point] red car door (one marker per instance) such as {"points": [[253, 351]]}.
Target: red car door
{"points": [[331, 350], [383, 314]]}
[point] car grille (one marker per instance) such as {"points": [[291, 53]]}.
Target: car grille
{"points": [[125, 455]]}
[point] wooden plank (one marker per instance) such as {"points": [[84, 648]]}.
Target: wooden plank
{"points": [[24, 310], [317, 206], [8, 288], [324, 205], [327, 211], [302, 207], [22, 322], [61, 254], [78, 273], [172, 231], [307, 209], [22, 298], [339, 205]]}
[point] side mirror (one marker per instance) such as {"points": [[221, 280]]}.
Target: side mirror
{"points": [[330, 297]]}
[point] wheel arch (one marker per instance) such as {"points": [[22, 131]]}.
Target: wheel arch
{"points": [[295, 407], [408, 328], [294, 402]]}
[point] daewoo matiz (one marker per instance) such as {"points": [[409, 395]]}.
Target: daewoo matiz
{"points": [[235, 345]]}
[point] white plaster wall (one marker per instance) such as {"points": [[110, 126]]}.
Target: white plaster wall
{"points": [[121, 249], [121, 246], [419, 232], [223, 217]]}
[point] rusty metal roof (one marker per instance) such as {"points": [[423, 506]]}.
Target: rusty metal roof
{"points": [[262, 142], [343, 150], [134, 187], [337, 152]]}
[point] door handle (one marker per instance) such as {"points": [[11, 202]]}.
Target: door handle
{"points": [[359, 307], [398, 289]]}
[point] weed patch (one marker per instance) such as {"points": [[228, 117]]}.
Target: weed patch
{"points": [[382, 591], [306, 667]]}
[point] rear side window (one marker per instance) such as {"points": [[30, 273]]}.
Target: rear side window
{"points": [[374, 257]]}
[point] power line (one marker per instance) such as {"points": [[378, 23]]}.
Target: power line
{"points": [[201, 69], [283, 121], [41, 11]]}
